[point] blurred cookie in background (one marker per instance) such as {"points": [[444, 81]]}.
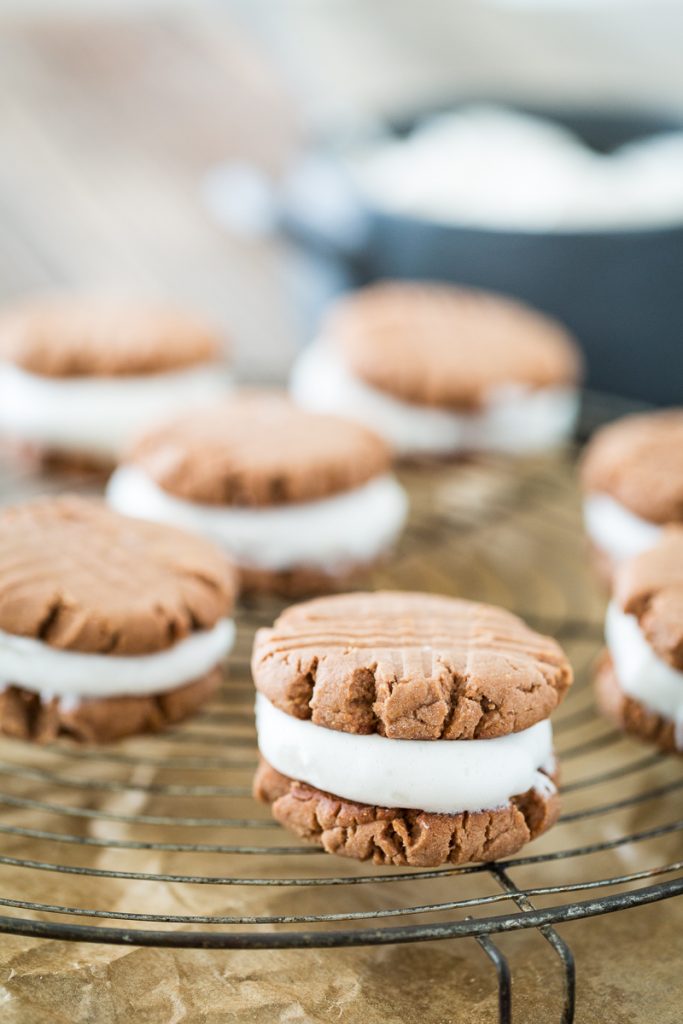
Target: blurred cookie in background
{"points": [[440, 370], [300, 501], [632, 478], [80, 375]]}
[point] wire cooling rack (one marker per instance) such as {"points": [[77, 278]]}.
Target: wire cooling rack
{"points": [[157, 842]]}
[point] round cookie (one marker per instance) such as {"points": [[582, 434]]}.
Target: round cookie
{"points": [[300, 501], [32, 716], [640, 680], [439, 369], [438, 345], [259, 450], [632, 478], [81, 374], [405, 837], [407, 728], [76, 335], [108, 625], [409, 666]]}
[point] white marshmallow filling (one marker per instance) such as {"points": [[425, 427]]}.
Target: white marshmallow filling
{"points": [[439, 776], [639, 670], [99, 416], [74, 676], [514, 420], [335, 533], [616, 530]]}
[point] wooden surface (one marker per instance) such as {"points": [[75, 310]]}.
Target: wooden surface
{"points": [[108, 127]]}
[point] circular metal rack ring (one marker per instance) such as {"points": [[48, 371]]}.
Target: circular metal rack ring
{"points": [[114, 844]]}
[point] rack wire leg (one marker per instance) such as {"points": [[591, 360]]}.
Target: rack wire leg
{"points": [[550, 935], [503, 974]]}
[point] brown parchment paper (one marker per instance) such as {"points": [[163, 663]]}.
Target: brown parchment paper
{"points": [[496, 531]]}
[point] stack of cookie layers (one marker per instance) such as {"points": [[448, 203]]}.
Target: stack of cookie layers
{"points": [[640, 678], [632, 479], [108, 626], [408, 728]]}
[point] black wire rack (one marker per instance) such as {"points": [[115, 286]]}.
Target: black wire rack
{"points": [[141, 843]]}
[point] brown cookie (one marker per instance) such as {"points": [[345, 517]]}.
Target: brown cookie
{"points": [[404, 837], [32, 458], [628, 713], [74, 335], [257, 450], [409, 666], [650, 587], [638, 461], [25, 716], [444, 346], [82, 578], [303, 581]]}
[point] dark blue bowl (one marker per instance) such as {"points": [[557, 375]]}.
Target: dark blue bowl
{"points": [[620, 292]]}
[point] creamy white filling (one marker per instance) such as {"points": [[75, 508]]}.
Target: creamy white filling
{"points": [[99, 415], [640, 672], [616, 530], [514, 419], [334, 533], [442, 776], [72, 675]]}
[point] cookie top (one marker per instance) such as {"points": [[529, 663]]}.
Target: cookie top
{"points": [[638, 461], [89, 336], [409, 666], [444, 346], [80, 577], [650, 586], [259, 449]]}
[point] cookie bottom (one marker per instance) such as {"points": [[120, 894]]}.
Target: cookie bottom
{"points": [[301, 581], [58, 462], [629, 714], [26, 716], [404, 837]]}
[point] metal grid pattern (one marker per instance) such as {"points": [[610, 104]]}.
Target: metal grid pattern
{"points": [[157, 842]]}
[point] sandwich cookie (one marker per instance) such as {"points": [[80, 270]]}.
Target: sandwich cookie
{"points": [[632, 478], [80, 376], [438, 370], [640, 680], [108, 626], [300, 501], [408, 728]]}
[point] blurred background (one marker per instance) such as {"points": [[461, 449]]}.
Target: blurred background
{"points": [[213, 152]]}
